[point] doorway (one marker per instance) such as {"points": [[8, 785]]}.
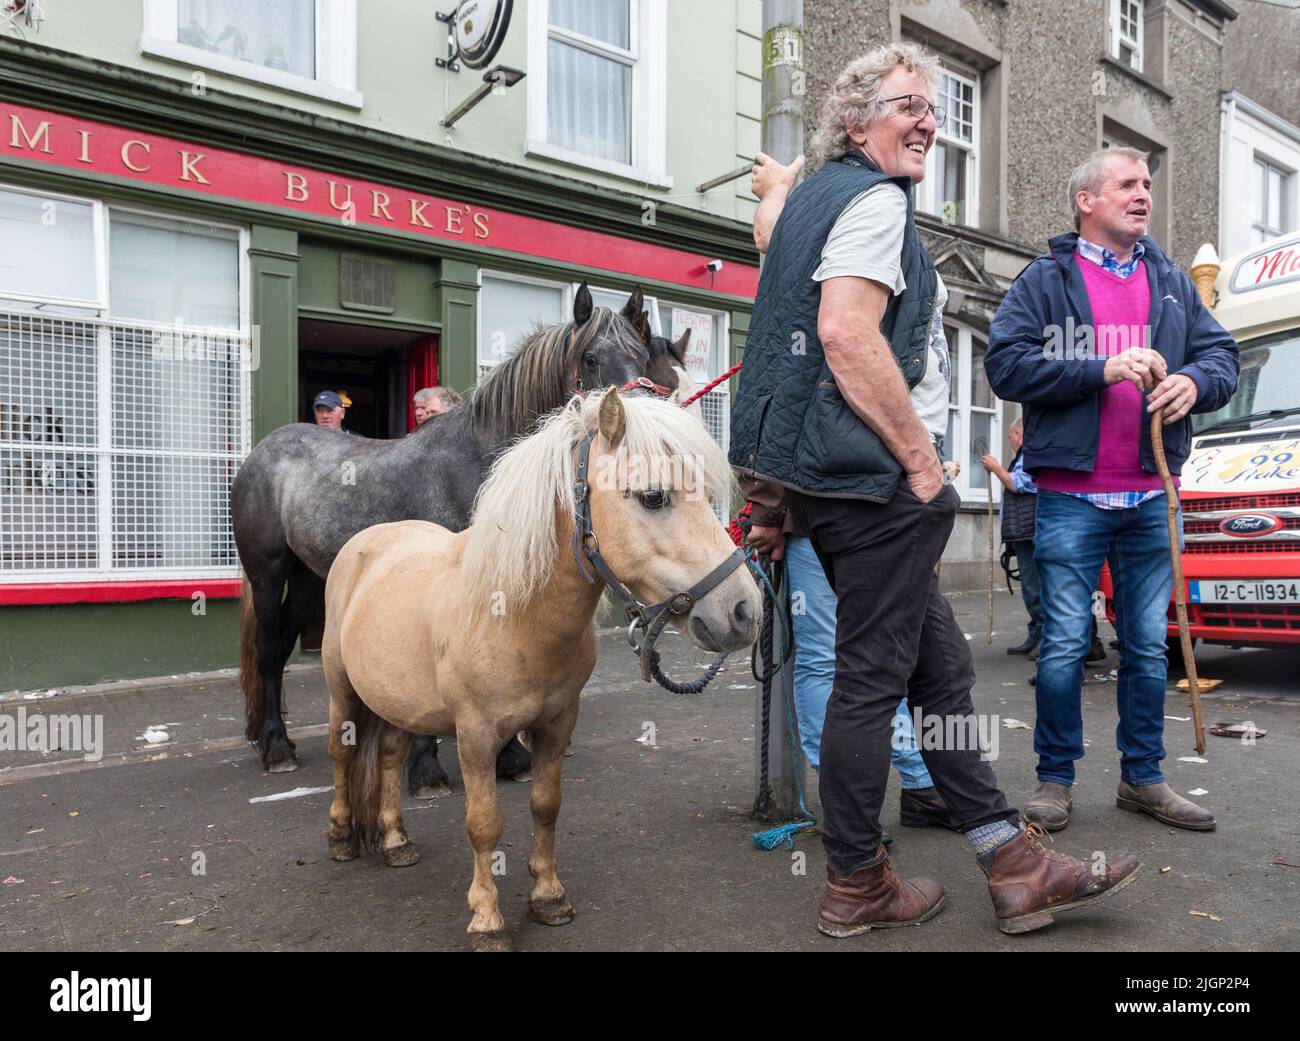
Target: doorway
{"points": [[372, 366]]}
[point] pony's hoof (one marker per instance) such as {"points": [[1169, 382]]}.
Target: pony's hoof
{"points": [[522, 778], [402, 856], [495, 942], [515, 761], [433, 790], [342, 850], [551, 912], [283, 766]]}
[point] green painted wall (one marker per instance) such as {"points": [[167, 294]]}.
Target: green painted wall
{"points": [[405, 93], [415, 279], [72, 644]]}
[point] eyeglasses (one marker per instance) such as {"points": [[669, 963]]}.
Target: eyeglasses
{"points": [[919, 106]]}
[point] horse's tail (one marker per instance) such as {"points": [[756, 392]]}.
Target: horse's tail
{"points": [[250, 677], [365, 777]]}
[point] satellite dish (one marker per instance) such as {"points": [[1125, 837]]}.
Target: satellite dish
{"points": [[481, 29]]}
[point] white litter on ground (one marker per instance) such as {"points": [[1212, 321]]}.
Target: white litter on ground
{"points": [[1199, 791], [154, 735], [1181, 719], [1191, 759], [1016, 724], [296, 793]]}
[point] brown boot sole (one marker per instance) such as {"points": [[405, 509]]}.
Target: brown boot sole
{"points": [[1137, 807], [1027, 923], [841, 932]]}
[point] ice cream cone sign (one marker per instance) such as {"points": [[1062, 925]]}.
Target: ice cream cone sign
{"points": [[1205, 269]]}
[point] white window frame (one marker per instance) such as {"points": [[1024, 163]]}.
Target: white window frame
{"points": [[648, 57], [99, 314], [960, 355], [1260, 226], [929, 193], [336, 52], [1119, 38]]}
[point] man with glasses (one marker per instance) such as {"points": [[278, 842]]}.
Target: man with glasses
{"points": [[841, 401]]}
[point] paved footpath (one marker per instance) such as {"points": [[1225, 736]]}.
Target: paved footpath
{"points": [[653, 840]]}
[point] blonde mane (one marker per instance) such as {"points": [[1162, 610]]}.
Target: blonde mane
{"points": [[514, 540]]}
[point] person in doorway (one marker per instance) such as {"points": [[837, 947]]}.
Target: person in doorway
{"points": [[434, 401], [329, 409]]}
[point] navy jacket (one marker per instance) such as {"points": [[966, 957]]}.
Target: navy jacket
{"points": [[789, 423], [1033, 357]]}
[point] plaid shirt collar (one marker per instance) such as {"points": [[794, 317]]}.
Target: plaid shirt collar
{"points": [[1107, 260]]}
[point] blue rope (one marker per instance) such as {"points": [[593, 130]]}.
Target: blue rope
{"points": [[783, 834]]}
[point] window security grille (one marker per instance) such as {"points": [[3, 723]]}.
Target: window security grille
{"points": [[118, 445]]}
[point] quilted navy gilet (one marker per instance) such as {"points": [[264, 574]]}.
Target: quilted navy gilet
{"points": [[789, 423]]}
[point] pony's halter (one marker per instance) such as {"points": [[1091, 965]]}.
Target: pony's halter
{"points": [[655, 617]]}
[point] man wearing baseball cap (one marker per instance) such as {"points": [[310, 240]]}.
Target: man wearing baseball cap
{"points": [[330, 408]]}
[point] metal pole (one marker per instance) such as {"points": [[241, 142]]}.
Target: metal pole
{"points": [[782, 139]]}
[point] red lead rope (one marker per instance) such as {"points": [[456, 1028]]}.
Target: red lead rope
{"points": [[704, 390]]}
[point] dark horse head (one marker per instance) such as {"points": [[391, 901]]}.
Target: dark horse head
{"points": [[597, 348]]}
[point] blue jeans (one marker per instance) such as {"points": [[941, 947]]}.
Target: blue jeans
{"points": [[1030, 588], [813, 606], [1073, 539]]}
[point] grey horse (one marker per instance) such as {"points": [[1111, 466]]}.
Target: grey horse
{"points": [[305, 490]]}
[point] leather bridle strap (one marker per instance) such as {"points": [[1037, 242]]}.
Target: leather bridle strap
{"points": [[655, 617]]}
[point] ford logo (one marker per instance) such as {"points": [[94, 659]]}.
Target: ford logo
{"points": [[1250, 525]]}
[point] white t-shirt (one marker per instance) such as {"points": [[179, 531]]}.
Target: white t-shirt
{"points": [[866, 241]]}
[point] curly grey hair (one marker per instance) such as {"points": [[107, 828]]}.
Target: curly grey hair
{"points": [[1090, 175], [854, 100]]}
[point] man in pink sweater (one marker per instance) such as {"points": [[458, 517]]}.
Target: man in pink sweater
{"points": [[1093, 338]]}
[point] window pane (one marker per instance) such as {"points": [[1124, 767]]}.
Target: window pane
{"points": [[47, 247], [48, 470], [951, 183], [981, 426], [279, 35], [510, 311], [951, 334], [605, 20], [163, 270], [1275, 199], [981, 395], [589, 103]]}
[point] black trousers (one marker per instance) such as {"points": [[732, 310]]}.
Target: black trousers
{"points": [[895, 636]]}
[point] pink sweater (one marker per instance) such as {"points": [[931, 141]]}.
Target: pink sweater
{"points": [[1121, 309]]}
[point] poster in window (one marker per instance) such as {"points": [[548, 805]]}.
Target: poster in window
{"points": [[699, 352]]}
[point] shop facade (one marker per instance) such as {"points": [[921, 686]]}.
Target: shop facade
{"points": [[177, 280]]}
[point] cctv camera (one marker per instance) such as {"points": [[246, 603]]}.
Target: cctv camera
{"points": [[714, 265]]}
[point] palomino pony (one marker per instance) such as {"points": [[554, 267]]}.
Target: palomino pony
{"points": [[305, 490], [491, 631]]}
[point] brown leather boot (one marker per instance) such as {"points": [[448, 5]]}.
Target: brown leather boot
{"points": [[1049, 806], [1165, 805], [874, 897], [1030, 885]]}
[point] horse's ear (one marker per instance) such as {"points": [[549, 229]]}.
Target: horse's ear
{"points": [[582, 305], [612, 421], [678, 347], [635, 306]]}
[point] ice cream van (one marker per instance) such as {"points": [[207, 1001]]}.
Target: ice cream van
{"points": [[1240, 487]]}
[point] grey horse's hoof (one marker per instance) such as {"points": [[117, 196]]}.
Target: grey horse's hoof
{"points": [[551, 912], [436, 790], [491, 943], [284, 766], [402, 856], [342, 850]]}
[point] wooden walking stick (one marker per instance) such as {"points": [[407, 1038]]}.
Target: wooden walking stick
{"points": [[990, 526], [1180, 587]]}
